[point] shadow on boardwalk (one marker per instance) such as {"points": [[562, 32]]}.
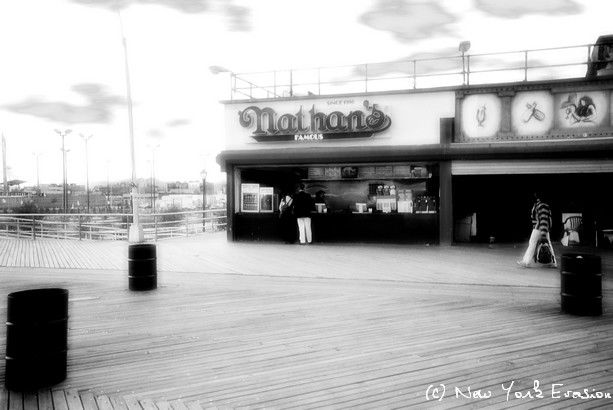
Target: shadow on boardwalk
{"points": [[340, 326]]}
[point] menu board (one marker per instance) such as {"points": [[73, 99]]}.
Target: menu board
{"points": [[420, 172], [366, 172], [384, 171], [402, 170], [349, 172], [266, 196], [316, 173], [250, 197], [332, 172]]}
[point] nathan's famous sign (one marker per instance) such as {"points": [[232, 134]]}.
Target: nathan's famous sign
{"points": [[312, 125]]}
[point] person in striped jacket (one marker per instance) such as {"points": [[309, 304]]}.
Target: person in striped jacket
{"points": [[541, 224]]}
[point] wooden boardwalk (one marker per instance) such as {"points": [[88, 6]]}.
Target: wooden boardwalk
{"points": [[342, 326]]}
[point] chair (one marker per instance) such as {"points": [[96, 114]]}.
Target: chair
{"points": [[573, 228]]}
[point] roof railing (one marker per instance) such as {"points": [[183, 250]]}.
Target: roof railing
{"points": [[468, 69]]}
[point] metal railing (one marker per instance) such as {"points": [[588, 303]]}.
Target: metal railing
{"points": [[512, 66], [111, 226]]}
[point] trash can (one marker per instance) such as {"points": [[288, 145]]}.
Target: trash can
{"points": [[142, 267], [581, 284], [36, 338]]}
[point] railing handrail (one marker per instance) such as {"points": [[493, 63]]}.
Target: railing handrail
{"points": [[76, 215], [271, 90], [79, 226]]}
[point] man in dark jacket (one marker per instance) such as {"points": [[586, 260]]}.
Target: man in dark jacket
{"points": [[303, 205]]}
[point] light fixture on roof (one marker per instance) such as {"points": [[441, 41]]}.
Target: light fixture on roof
{"points": [[216, 69], [463, 48]]}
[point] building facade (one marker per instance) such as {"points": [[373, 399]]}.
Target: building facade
{"points": [[437, 165]]}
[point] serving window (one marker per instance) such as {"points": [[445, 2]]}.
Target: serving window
{"points": [[409, 188]]}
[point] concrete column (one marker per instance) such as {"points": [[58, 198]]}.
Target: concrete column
{"points": [[446, 204]]}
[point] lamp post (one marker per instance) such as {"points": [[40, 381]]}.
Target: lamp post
{"points": [[135, 234], [36, 157], [64, 181], [463, 48], [86, 138], [203, 175], [153, 148]]}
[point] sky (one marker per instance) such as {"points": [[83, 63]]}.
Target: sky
{"points": [[63, 66]]}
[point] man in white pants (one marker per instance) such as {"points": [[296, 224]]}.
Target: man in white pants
{"points": [[303, 206]]}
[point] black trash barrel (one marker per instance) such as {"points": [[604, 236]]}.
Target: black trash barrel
{"points": [[581, 284], [36, 338], [142, 267]]}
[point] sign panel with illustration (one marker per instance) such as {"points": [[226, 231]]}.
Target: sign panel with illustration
{"points": [[537, 114], [481, 114], [532, 113], [250, 197], [581, 109]]}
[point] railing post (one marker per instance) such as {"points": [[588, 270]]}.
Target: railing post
{"points": [[186, 224], [291, 83], [18, 228], [468, 69], [526, 65], [80, 222], [414, 74], [33, 228], [155, 227]]}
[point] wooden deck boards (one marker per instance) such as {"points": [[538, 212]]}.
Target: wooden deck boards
{"points": [[274, 326]]}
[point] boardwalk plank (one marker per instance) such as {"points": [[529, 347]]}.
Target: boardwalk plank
{"points": [[30, 400], [59, 400], [45, 400], [118, 402], [73, 400], [132, 403], [103, 402], [15, 400]]}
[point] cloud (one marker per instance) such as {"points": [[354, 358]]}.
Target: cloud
{"points": [[155, 134], [98, 108], [518, 8], [238, 17], [446, 60], [185, 6], [179, 122], [409, 21]]}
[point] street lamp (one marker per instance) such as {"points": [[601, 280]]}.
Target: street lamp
{"points": [[463, 48], [153, 148], [64, 182], [203, 175], [86, 138], [136, 233], [37, 156]]}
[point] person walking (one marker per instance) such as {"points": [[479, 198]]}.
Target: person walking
{"points": [[541, 224], [303, 206]]}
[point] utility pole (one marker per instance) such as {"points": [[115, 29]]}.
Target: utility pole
{"points": [[86, 138], [6, 184], [64, 182]]}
